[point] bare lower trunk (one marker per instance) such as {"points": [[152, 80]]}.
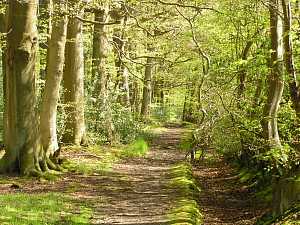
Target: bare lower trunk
{"points": [[74, 84], [55, 64], [22, 150]]}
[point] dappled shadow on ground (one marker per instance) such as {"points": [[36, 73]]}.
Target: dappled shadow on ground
{"points": [[223, 199], [135, 191]]}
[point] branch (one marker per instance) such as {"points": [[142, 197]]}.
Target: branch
{"points": [[200, 51], [197, 8], [96, 22]]}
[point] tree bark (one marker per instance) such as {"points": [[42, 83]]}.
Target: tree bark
{"points": [[3, 62], [55, 64], [73, 80], [122, 72], [275, 79], [22, 150], [100, 73], [289, 58], [147, 90]]}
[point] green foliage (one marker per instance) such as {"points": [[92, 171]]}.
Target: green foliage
{"points": [[138, 148], [39, 209], [278, 161], [290, 217], [125, 126]]}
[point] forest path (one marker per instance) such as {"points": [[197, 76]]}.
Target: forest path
{"points": [[137, 191], [143, 195]]}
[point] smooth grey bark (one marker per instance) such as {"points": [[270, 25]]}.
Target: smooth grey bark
{"points": [[275, 79], [289, 58], [54, 74], [147, 90], [22, 148], [135, 97], [122, 72], [73, 81], [3, 62], [100, 72]]}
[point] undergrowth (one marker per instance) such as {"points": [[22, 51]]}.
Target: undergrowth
{"points": [[290, 217]]}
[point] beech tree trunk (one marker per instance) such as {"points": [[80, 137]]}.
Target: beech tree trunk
{"points": [[147, 90], [122, 71], [55, 64], [3, 64], [22, 149], [135, 97], [275, 79], [74, 84], [100, 73], [289, 58]]}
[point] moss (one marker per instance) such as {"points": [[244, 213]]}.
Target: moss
{"points": [[186, 210]]}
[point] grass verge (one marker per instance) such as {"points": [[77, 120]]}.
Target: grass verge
{"points": [[186, 210], [36, 209]]}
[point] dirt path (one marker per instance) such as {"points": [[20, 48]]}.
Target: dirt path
{"points": [[137, 191], [143, 196]]}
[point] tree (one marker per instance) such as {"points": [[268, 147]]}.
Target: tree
{"points": [[121, 47], [100, 71], [288, 56], [147, 89], [73, 80], [55, 64], [275, 79], [22, 147]]}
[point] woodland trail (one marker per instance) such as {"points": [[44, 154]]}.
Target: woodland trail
{"points": [[147, 199], [137, 191]]}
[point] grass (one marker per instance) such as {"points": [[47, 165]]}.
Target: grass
{"points": [[138, 148], [186, 210], [36, 209], [91, 160]]}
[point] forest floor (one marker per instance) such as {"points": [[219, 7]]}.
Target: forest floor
{"points": [[152, 190]]}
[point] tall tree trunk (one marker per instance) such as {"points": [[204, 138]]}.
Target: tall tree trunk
{"points": [[100, 73], [21, 130], [275, 79], [147, 90], [122, 71], [3, 53], [55, 64], [288, 57], [73, 80], [135, 97]]}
